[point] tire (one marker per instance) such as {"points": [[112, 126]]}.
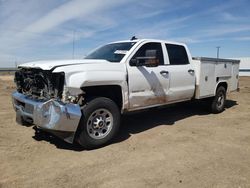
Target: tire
{"points": [[218, 102], [99, 123]]}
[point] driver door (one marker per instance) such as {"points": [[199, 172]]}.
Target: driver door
{"points": [[148, 85]]}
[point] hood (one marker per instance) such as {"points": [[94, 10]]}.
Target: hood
{"points": [[48, 65]]}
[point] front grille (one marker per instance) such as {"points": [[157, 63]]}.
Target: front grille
{"points": [[39, 83]]}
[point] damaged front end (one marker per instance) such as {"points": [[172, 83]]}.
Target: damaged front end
{"points": [[39, 84], [38, 100]]}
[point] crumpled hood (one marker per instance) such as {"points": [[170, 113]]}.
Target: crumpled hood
{"points": [[94, 73], [48, 65]]}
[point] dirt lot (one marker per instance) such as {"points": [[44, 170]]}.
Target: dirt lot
{"points": [[179, 146]]}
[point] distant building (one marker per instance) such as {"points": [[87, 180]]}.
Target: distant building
{"points": [[244, 66]]}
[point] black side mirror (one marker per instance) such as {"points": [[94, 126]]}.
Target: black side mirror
{"points": [[150, 59], [133, 62], [138, 62]]}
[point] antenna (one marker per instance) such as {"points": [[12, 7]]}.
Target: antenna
{"points": [[134, 38]]}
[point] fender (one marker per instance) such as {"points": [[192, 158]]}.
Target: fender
{"points": [[99, 78], [221, 82], [85, 75]]}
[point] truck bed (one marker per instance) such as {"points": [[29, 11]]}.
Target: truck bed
{"points": [[212, 71]]}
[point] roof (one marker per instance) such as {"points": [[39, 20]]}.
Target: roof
{"points": [[150, 40]]}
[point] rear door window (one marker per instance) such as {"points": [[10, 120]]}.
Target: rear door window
{"points": [[177, 54]]}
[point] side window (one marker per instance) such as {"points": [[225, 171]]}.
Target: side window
{"points": [[146, 50], [177, 54]]}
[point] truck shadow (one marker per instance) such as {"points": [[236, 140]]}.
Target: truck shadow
{"points": [[41, 135], [134, 123], [167, 116]]}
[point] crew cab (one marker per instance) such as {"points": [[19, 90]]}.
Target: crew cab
{"points": [[82, 100]]}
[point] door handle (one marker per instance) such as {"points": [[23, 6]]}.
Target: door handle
{"points": [[191, 71], [164, 72]]}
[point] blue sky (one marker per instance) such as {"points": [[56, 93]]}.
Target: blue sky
{"points": [[34, 29]]}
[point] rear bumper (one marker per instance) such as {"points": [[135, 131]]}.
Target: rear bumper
{"points": [[52, 115]]}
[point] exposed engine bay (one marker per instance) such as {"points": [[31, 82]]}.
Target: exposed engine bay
{"points": [[40, 84]]}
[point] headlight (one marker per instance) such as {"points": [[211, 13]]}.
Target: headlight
{"points": [[71, 95]]}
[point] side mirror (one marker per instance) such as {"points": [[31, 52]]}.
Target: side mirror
{"points": [[133, 62], [150, 59]]}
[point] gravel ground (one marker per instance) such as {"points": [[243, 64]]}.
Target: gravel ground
{"points": [[179, 146]]}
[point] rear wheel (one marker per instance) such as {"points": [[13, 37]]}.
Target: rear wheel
{"points": [[218, 102], [99, 123]]}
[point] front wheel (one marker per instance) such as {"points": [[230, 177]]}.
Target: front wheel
{"points": [[99, 123], [218, 102]]}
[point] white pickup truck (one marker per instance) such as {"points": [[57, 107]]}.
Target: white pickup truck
{"points": [[82, 100]]}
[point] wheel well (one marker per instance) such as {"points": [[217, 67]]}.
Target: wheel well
{"points": [[113, 92], [223, 84]]}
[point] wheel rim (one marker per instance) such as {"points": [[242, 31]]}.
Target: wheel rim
{"points": [[99, 123], [220, 100]]}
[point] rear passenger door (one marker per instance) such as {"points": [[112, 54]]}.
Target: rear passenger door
{"points": [[181, 73]]}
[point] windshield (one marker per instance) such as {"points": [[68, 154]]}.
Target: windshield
{"points": [[111, 52]]}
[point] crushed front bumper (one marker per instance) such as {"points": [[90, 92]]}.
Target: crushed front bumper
{"points": [[54, 116]]}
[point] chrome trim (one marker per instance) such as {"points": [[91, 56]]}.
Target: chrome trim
{"points": [[49, 115]]}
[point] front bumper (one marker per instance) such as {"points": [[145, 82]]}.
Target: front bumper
{"points": [[52, 115]]}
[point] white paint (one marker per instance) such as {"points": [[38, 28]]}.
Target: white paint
{"points": [[50, 64], [144, 87], [209, 73]]}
